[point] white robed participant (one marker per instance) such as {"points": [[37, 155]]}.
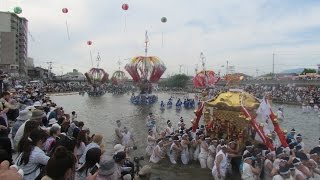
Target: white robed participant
{"points": [[195, 148], [219, 169], [157, 153], [185, 151], [212, 154], [203, 156], [127, 138], [151, 143], [175, 149], [280, 115]]}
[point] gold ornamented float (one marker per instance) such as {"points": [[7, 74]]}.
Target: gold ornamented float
{"points": [[224, 116]]}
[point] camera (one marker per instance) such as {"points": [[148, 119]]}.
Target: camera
{"points": [[138, 159]]}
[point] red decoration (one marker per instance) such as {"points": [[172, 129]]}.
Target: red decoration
{"points": [[205, 78], [65, 10], [198, 114], [125, 7], [89, 42]]}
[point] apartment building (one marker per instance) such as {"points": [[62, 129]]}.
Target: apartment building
{"points": [[13, 44]]}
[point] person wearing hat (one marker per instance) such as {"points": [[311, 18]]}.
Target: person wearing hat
{"points": [[299, 141], [118, 148], [284, 173], [23, 117], [219, 169], [144, 173], [37, 115], [248, 171], [151, 143], [108, 169], [37, 105], [291, 135]]}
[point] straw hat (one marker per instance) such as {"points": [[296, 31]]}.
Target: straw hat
{"points": [[37, 114]]}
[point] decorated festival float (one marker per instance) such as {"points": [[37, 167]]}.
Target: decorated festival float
{"points": [[119, 82], [145, 71], [96, 78], [234, 114]]}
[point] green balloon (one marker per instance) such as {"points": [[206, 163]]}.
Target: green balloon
{"points": [[17, 10]]}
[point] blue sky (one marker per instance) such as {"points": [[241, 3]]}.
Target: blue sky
{"points": [[246, 33]]}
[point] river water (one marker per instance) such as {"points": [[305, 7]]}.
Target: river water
{"points": [[101, 113]]}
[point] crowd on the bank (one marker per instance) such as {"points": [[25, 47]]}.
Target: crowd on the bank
{"points": [[225, 158], [291, 94], [52, 144]]}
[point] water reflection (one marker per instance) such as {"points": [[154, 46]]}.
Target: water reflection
{"points": [[101, 113]]}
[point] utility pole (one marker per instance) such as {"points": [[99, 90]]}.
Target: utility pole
{"points": [[49, 68], [273, 66], [180, 68], [203, 61], [227, 68]]}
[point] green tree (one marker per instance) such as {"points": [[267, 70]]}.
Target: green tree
{"points": [[305, 71], [178, 80]]}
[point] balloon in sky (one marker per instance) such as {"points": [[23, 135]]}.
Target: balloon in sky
{"points": [[17, 10], [125, 7], [164, 19], [89, 42], [65, 10]]}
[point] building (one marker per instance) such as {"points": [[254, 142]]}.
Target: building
{"points": [[30, 63], [38, 73], [13, 44], [75, 75]]}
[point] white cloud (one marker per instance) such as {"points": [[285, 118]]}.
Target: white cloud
{"points": [[244, 32]]}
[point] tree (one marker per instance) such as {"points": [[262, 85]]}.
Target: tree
{"points": [[305, 71], [178, 80]]}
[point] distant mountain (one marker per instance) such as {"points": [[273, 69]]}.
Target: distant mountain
{"points": [[297, 70]]}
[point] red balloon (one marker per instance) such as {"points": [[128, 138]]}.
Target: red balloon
{"points": [[125, 7], [65, 10], [89, 42]]}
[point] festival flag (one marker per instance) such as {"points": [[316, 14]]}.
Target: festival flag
{"points": [[255, 125], [265, 114]]}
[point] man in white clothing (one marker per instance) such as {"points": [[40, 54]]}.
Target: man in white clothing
{"points": [[118, 133], [219, 169]]}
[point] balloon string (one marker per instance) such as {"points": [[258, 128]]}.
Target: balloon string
{"points": [[162, 39], [125, 23], [91, 58], [67, 29]]}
